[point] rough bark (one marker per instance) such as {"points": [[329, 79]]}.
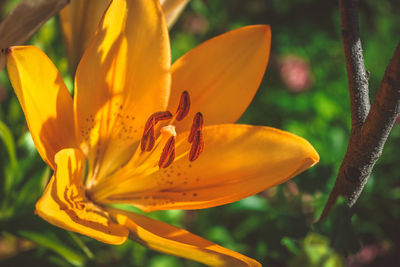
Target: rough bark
{"points": [[370, 126]]}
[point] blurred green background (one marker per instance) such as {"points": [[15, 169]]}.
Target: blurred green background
{"points": [[304, 91]]}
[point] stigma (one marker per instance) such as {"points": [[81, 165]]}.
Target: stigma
{"points": [[150, 140]]}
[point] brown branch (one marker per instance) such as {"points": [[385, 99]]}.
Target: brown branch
{"points": [[24, 20], [357, 76], [369, 129]]}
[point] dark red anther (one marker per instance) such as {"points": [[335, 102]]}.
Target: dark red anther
{"points": [[149, 137], [168, 153], [150, 123], [162, 116], [184, 106], [156, 117], [197, 125], [148, 140], [197, 146]]}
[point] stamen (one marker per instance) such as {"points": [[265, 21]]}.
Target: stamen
{"points": [[197, 125], [197, 146], [148, 140], [184, 106], [150, 123], [162, 116], [168, 154], [149, 137]]}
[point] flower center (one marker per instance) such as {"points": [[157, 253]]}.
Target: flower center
{"points": [[156, 151], [196, 139]]}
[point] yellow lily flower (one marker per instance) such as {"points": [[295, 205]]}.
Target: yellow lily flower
{"points": [[153, 135], [79, 21]]}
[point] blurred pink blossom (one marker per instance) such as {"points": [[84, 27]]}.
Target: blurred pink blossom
{"points": [[295, 73], [367, 255], [196, 24]]}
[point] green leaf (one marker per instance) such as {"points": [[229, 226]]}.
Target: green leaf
{"points": [[6, 136], [315, 252], [290, 244], [51, 241], [8, 140], [81, 244]]}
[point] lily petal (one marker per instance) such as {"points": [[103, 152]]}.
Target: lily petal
{"points": [[64, 203], [44, 98], [79, 21], [238, 161], [122, 79], [172, 240], [172, 9], [222, 75]]}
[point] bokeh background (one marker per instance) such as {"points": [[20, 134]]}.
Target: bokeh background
{"points": [[304, 91]]}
